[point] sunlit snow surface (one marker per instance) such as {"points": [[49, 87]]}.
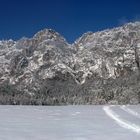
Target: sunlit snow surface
{"points": [[69, 122]]}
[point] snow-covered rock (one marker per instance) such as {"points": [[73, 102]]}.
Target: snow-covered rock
{"points": [[97, 66]]}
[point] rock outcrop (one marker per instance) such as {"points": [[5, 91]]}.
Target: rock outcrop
{"points": [[98, 68]]}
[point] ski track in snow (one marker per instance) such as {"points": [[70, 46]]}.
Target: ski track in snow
{"points": [[130, 111], [123, 123]]}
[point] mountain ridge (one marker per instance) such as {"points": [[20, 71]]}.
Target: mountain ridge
{"points": [[98, 68]]}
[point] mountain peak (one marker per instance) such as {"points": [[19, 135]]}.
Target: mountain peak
{"points": [[49, 34]]}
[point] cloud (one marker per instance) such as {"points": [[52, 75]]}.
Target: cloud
{"points": [[125, 20]]}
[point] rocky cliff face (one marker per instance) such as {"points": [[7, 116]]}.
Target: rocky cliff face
{"points": [[98, 68]]}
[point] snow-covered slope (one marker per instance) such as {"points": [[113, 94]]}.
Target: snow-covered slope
{"points": [[98, 68], [69, 123]]}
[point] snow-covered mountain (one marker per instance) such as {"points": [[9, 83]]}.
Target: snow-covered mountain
{"points": [[98, 68]]}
